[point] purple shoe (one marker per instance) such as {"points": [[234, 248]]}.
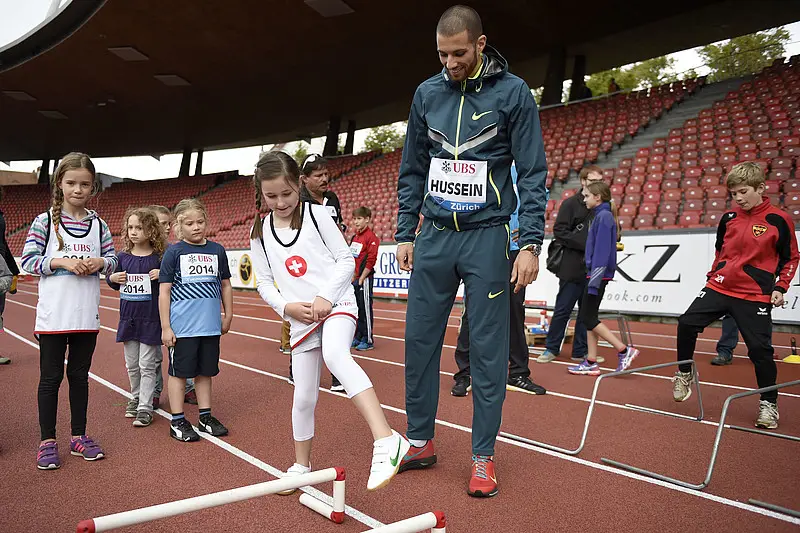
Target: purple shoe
{"points": [[87, 448], [47, 458], [586, 368], [626, 358]]}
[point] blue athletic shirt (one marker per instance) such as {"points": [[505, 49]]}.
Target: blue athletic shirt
{"points": [[196, 273]]}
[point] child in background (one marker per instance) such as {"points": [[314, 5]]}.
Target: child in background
{"points": [[601, 264], [67, 247], [165, 219], [300, 247], [139, 328], [755, 262], [195, 277], [364, 247]]}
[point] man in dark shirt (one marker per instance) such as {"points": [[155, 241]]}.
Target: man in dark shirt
{"points": [[314, 187], [570, 231], [314, 182], [6, 254]]}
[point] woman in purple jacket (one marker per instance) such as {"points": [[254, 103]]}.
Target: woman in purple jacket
{"points": [[601, 264], [139, 329]]}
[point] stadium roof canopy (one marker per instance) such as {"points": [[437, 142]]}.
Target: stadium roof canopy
{"points": [[128, 77]]}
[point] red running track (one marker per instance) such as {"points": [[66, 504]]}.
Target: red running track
{"points": [[539, 490]]}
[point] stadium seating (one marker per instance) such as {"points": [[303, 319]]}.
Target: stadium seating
{"points": [[760, 122]]}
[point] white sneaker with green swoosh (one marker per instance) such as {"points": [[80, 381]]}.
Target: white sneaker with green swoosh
{"points": [[386, 456]]}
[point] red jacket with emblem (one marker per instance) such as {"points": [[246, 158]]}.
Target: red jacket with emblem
{"points": [[365, 250], [756, 253]]}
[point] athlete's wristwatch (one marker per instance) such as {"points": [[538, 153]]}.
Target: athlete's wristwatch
{"points": [[535, 249]]}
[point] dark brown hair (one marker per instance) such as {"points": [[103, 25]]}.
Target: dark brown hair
{"points": [[460, 18], [270, 166], [71, 161], [151, 227], [362, 212], [585, 171]]}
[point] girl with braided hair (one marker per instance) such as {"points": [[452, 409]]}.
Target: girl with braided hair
{"points": [[299, 246], [68, 247]]}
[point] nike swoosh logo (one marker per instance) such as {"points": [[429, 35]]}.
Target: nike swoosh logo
{"points": [[475, 116], [493, 295], [394, 459]]}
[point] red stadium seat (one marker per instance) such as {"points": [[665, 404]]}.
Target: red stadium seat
{"points": [[717, 191], [666, 220], [694, 193], [669, 207], [644, 222], [628, 210], [672, 195], [693, 206], [716, 204], [648, 209], [689, 219], [791, 200]]}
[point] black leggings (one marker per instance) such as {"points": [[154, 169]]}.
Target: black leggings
{"points": [[52, 349], [589, 309]]}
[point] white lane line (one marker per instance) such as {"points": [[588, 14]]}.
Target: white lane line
{"points": [[259, 337], [258, 463], [590, 464]]}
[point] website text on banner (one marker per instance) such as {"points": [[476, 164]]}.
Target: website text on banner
{"points": [[657, 274]]}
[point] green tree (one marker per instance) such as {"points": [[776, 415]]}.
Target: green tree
{"points": [[744, 55], [384, 139], [649, 73], [300, 152]]}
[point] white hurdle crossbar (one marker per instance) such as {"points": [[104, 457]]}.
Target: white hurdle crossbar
{"points": [[334, 513], [435, 521]]}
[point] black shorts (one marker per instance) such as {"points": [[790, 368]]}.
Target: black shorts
{"points": [[194, 356], [590, 307]]}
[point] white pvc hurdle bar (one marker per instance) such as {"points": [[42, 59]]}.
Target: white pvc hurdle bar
{"points": [[435, 521], [334, 513]]}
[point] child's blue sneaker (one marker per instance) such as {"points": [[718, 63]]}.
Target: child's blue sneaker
{"points": [[364, 346], [356, 342]]}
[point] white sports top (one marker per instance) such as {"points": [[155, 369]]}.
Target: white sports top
{"points": [[69, 303], [314, 261]]}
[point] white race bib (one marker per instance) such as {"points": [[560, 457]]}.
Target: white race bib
{"points": [[75, 250], [355, 248], [199, 268], [458, 185], [137, 288]]}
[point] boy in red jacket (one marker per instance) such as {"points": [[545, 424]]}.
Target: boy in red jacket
{"points": [[755, 262], [364, 246]]}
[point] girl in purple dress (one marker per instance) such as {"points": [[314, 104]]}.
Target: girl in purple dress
{"points": [[139, 329]]}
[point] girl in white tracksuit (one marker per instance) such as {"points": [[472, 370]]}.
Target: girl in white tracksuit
{"points": [[300, 248]]}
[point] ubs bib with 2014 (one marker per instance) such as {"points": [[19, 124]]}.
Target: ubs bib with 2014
{"points": [[137, 288], [199, 268], [458, 185]]}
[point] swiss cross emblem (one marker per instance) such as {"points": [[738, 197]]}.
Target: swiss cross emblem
{"points": [[759, 230], [296, 266]]}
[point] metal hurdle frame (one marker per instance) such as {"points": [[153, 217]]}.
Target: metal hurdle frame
{"points": [[773, 507], [576, 451], [334, 513], [435, 521], [715, 449]]}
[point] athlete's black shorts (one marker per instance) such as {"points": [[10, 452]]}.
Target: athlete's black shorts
{"points": [[194, 356]]}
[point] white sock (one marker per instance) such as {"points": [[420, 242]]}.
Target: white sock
{"points": [[418, 443], [390, 437]]}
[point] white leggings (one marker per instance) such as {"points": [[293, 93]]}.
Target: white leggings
{"points": [[337, 336]]}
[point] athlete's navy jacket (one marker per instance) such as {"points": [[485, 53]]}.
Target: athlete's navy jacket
{"points": [[490, 117]]}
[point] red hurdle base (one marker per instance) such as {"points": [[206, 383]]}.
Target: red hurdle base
{"points": [[435, 521]]}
